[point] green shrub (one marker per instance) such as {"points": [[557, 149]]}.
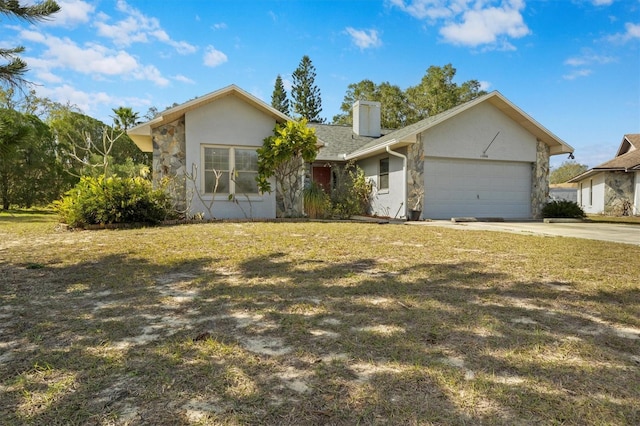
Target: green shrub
{"points": [[316, 202], [564, 209], [352, 193], [100, 200]]}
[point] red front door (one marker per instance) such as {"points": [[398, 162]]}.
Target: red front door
{"points": [[322, 176]]}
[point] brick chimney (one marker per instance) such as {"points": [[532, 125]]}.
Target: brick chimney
{"points": [[366, 118]]}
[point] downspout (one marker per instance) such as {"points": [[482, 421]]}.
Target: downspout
{"points": [[404, 180]]}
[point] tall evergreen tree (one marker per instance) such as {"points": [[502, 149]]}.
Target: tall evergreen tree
{"points": [[279, 97], [13, 71], [306, 95]]}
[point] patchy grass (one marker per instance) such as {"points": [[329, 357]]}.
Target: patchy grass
{"points": [[315, 323]]}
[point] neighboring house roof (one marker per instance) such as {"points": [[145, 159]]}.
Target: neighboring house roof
{"points": [[629, 143], [627, 162], [338, 141], [407, 135], [141, 134]]}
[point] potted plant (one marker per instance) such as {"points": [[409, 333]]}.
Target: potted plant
{"points": [[417, 193]]}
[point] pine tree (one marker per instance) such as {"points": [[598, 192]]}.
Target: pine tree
{"points": [[305, 94], [12, 72], [279, 97]]}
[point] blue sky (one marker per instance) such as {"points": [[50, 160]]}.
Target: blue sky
{"points": [[573, 65]]}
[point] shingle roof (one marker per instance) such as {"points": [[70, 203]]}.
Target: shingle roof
{"points": [[406, 135], [634, 138], [338, 141], [627, 162], [411, 129]]}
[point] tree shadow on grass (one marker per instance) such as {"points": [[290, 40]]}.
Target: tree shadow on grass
{"points": [[286, 339]]}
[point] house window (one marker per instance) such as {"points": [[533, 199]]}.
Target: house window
{"points": [[237, 169], [591, 192], [580, 195], [383, 178]]}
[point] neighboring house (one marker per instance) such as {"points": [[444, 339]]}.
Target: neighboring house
{"points": [[485, 158], [613, 187]]}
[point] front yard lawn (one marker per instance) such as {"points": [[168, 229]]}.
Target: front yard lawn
{"points": [[315, 323]]}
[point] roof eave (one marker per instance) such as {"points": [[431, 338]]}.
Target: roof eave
{"points": [[141, 134], [556, 145], [377, 149]]}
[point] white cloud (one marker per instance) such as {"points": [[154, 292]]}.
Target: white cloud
{"points": [[587, 59], [632, 31], [485, 85], [421, 9], [86, 101], [183, 79], [602, 2], [471, 23], [150, 73], [42, 69], [485, 26], [364, 39], [577, 74], [214, 57], [71, 13], [220, 26], [137, 28], [91, 59]]}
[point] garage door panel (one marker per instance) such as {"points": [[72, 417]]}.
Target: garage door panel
{"points": [[479, 188]]}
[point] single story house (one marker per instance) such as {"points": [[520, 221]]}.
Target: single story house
{"points": [[613, 187], [484, 158]]}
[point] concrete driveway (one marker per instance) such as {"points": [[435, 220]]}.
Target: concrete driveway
{"points": [[617, 233]]}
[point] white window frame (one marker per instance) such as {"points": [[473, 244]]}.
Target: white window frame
{"points": [[580, 194], [232, 169], [387, 174]]}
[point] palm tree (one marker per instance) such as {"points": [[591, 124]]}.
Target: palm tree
{"points": [[12, 72], [125, 118]]}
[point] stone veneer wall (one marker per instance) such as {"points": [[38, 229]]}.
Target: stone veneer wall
{"points": [[415, 178], [618, 193], [540, 180], [169, 160]]}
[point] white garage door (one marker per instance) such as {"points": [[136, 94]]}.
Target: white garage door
{"points": [[476, 188]]}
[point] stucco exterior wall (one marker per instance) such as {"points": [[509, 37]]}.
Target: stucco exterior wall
{"points": [[469, 134], [591, 194], [169, 145], [233, 122], [636, 202], [386, 202], [484, 133], [466, 136]]}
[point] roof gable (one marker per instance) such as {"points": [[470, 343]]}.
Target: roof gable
{"points": [[629, 142], [407, 135], [141, 134], [629, 161]]}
